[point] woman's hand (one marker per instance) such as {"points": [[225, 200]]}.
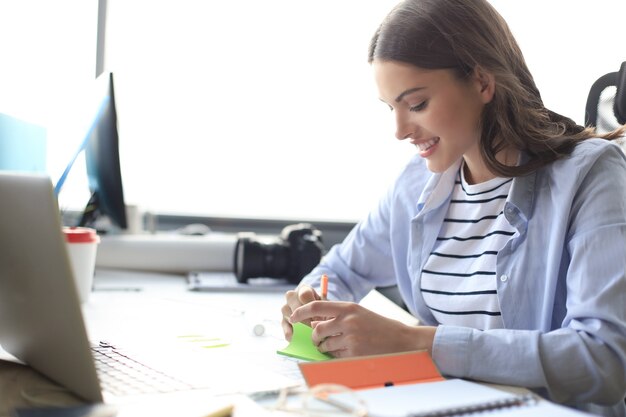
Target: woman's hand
{"points": [[352, 330], [302, 295]]}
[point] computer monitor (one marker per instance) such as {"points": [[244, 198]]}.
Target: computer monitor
{"points": [[102, 159]]}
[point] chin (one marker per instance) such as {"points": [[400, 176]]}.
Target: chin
{"points": [[435, 167]]}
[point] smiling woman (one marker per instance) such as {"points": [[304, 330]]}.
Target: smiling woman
{"points": [[246, 108], [443, 105], [493, 229]]}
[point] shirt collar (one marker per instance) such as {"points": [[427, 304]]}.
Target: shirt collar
{"points": [[438, 188], [522, 193]]}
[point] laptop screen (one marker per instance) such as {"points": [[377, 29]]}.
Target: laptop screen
{"points": [[41, 321]]}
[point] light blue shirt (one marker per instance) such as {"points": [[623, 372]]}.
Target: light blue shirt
{"points": [[561, 281]]}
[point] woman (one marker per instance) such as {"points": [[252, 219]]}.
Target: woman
{"points": [[506, 234]]}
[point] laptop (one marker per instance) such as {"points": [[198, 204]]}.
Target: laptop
{"points": [[41, 321]]}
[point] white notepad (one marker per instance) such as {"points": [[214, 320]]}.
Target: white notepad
{"points": [[451, 397]]}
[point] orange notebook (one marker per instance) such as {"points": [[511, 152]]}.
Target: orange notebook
{"points": [[373, 371]]}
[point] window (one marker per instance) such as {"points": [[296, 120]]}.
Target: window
{"points": [[265, 109]]}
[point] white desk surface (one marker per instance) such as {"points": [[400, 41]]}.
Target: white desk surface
{"points": [[151, 313]]}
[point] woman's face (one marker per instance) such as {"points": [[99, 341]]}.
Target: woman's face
{"points": [[436, 111]]}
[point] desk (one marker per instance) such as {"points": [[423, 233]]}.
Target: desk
{"points": [[138, 309], [148, 310]]}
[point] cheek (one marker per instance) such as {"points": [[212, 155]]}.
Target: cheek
{"points": [[459, 116]]}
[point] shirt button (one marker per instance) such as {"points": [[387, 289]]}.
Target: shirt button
{"points": [[504, 277]]}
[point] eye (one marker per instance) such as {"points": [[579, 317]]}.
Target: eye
{"points": [[420, 106]]}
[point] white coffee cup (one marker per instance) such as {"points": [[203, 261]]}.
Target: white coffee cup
{"points": [[82, 245]]}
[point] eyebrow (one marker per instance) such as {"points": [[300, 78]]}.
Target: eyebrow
{"points": [[407, 92]]}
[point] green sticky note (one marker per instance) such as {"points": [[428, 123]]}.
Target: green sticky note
{"points": [[301, 345]]}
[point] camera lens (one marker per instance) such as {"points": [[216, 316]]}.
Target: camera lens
{"points": [[255, 259], [294, 254]]}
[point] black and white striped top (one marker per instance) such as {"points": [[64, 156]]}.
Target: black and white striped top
{"points": [[459, 278]]}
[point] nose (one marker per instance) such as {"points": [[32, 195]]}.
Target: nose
{"points": [[404, 128]]}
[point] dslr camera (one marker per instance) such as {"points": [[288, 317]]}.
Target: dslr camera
{"points": [[295, 253]]}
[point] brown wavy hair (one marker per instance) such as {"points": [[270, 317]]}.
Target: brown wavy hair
{"points": [[462, 35]]}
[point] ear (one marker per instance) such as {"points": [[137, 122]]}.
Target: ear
{"points": [[485, 83]]}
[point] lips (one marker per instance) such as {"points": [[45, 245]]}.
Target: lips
{"points": [[426, 145]]}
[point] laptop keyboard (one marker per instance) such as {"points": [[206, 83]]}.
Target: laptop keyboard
{"points": [[121, 375]]}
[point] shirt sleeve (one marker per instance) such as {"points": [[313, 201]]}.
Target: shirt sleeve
{"points": [[583, 359], [362, 261]]}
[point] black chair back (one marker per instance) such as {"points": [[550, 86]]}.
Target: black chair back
{"points": [[605, 110]]}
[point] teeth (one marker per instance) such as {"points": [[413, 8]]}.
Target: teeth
{"points": [[424, 146]]}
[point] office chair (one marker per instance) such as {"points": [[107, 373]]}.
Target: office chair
{"points": [[606, 103]]}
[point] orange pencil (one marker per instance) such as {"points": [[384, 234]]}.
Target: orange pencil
{"points": [[324, 283]]}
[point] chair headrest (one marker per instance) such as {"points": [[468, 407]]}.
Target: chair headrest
{"points": [[617, 79]]}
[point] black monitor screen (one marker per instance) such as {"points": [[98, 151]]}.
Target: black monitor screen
{"points": [[103, 164]]}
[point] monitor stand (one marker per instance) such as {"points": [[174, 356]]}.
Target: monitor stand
{"points": [[91, 212]]}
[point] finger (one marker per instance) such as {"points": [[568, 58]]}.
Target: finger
{"points": [[341, 353], [286, 311], [316, 309], [287, 330], [322, 330], [332, 345], [285, 324], [287, 316], [290, 295], [292, 300], [317, 320], [307, 294]]}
